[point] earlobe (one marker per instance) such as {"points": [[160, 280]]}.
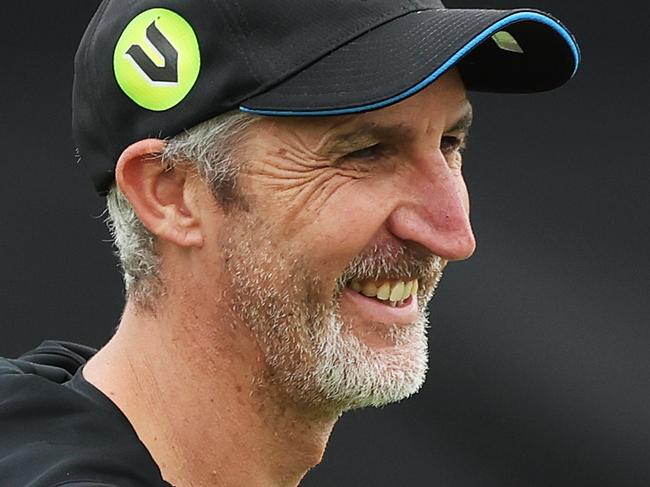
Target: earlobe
{"points": [[162, 198]]}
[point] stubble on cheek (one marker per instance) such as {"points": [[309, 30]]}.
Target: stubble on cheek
{"points": [[269, 289], [310, 353]]}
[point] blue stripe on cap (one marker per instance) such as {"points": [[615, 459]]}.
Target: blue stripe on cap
{"points": [[511, 19]]}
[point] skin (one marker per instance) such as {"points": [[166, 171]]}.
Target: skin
{"points": [[322, 196]]}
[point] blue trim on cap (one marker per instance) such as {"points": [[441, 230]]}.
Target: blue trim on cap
{"points": [[516, 17]]}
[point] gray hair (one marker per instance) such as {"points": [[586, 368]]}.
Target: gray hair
{"points": [[211, 149]]}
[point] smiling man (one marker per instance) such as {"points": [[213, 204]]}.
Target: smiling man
{"points": [[285, 189]]}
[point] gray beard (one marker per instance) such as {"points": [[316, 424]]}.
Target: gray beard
{"points": [[313, 359]]}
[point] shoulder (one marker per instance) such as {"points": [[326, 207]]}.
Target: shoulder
{"points": [[91, 483], [55, 433], [84, 483]]}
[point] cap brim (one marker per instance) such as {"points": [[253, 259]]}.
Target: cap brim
{"points": [[403, 56]]}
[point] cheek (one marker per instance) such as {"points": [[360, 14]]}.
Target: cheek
{"points": [[337, 232], [293, 187]]}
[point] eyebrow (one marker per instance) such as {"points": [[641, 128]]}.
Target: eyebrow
{"points": [[370, 132], [465, 122], [367, 133]]}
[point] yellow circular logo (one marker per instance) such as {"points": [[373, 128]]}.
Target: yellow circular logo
{"points": [[157, 59]]}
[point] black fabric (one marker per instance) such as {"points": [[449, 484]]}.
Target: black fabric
{"points": [[398, 55], [57, 430]]}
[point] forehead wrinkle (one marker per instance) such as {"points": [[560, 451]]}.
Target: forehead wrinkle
{"points": [[288, 140]]}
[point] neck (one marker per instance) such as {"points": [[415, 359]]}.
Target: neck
{"points": [[195, 393]]}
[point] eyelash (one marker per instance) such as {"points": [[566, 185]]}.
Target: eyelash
{"points": [[452, 144], [448, 144]]}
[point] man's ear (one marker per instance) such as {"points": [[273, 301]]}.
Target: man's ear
{"points": [[164, 199]]}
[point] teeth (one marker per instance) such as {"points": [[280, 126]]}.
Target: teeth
{"points": [[407, 289], [395, 294], [369, 290], [383, 292]]}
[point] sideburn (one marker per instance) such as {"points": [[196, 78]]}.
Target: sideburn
{"points": [[227, 194]]}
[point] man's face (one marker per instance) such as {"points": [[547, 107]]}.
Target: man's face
{"points": [[348, 224]]}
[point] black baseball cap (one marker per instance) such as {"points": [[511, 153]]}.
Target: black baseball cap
{"points": [[153, 68]]}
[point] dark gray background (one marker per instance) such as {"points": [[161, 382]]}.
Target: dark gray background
{"points": [[540, 345]]}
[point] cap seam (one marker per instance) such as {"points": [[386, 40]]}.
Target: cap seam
{"points": [[349, 36], [242, 32], [238, 35]]}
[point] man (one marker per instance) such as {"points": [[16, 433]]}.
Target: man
{"points": [[284, 188]]}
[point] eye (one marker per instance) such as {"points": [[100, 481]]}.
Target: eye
{"points": [[371, 152], [451, 143]]}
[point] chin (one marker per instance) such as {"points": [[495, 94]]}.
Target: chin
{"points": [[374, 370]]}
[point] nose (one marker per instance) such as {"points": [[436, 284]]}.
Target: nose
{"points": [[434, 210]]}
